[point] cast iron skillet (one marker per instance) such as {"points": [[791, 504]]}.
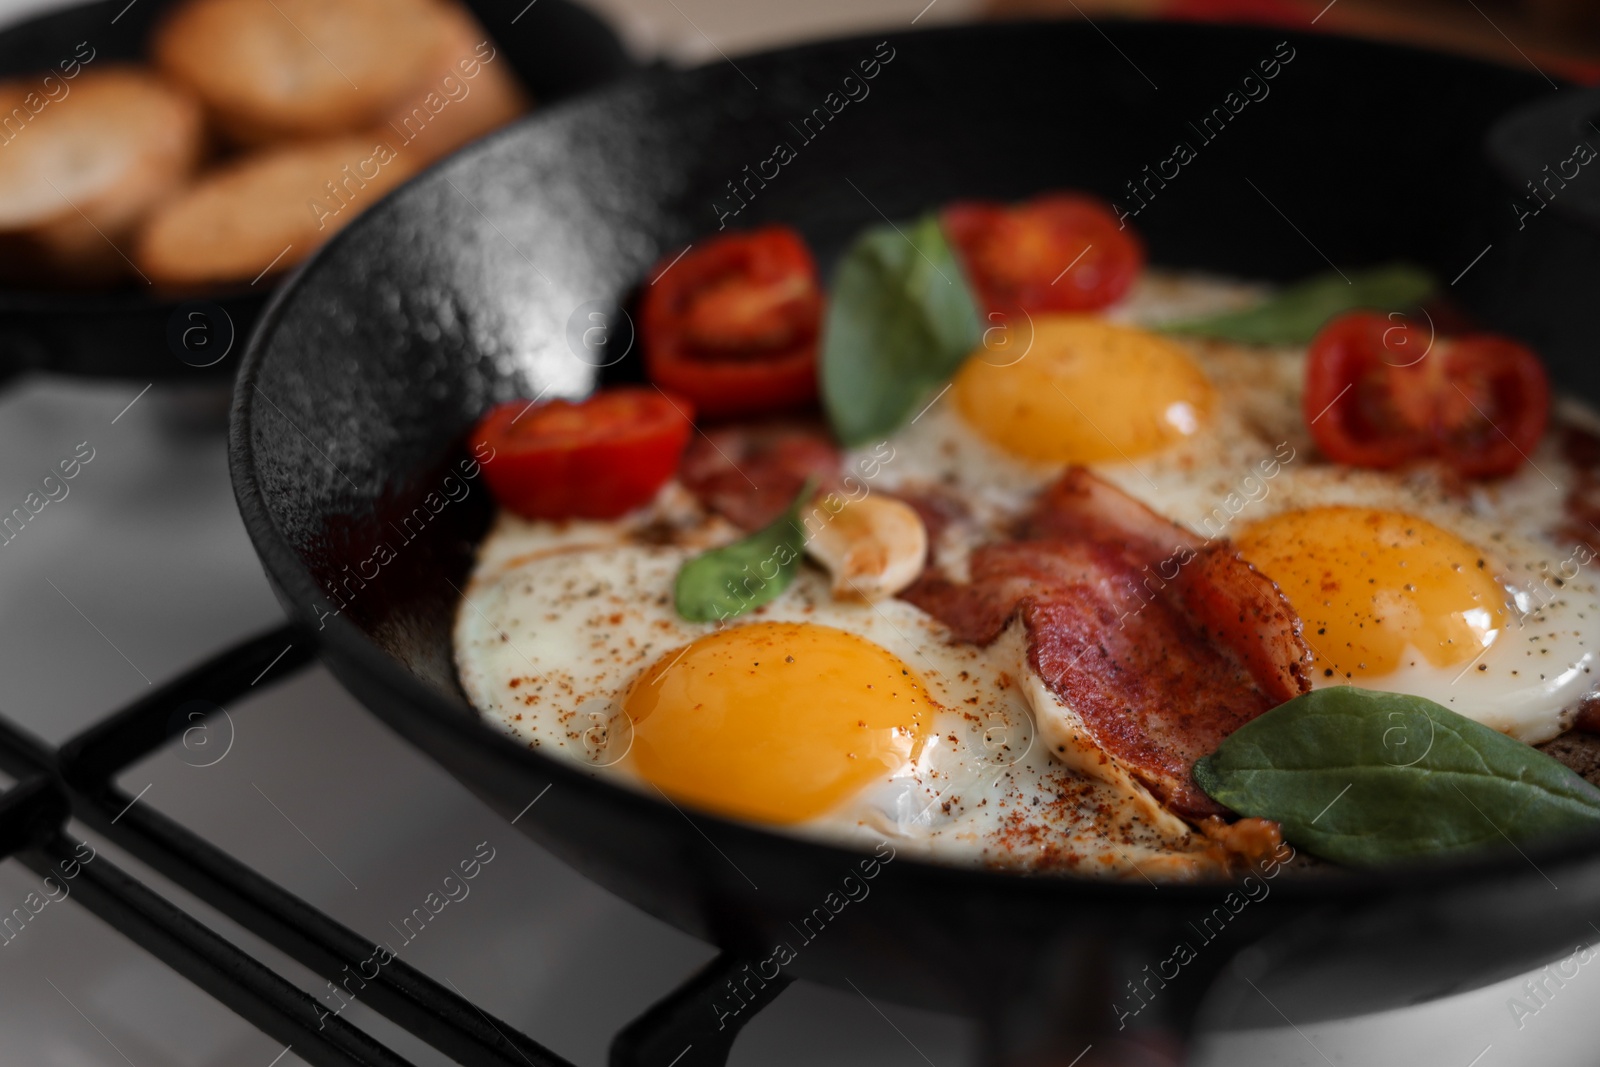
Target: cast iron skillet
{"points": [[464, 288], [556, 47]]}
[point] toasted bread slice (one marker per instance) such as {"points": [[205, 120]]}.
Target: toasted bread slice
{"points": [[278, 69], [468, 90], [266, 211], [81, 161]]}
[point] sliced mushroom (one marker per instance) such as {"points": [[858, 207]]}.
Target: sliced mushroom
{"points": [[873, 547]]}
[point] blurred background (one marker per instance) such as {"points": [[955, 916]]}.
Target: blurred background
{"points": [[1560, 36]]}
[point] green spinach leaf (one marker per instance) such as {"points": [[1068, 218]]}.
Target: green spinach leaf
{"points": [[901, 318], [1363, 778], [1296, 314], [723, 582]]}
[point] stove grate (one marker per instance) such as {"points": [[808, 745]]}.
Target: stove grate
{"points": [[77, 781]]}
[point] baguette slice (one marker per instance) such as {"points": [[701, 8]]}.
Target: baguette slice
{"points": [[271, 70], [468, 90], [81, 161], [266, 211]]}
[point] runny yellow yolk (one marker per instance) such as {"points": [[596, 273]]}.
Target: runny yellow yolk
{"points": [[1369, 585], [775, 722], [1083, 391]]}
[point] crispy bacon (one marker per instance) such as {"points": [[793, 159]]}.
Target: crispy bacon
{"points": [[1581, 519], [1006, 575], [1236, 605], [939, 509], [1243, 610], [750, 474], [1161, 645], [1581, 447], [1081, 507], [1586, 718], [1580, 527]]}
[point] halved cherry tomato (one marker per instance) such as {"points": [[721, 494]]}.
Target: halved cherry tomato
{"points": [[733, 324], [1380, 391], [1056, 252], [594, 459]]}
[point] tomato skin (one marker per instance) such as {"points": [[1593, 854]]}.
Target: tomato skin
{"points": [[1518, 380], [1346, 397], [1380, 393], [597, 458], [733, 324], [1056, 252]]}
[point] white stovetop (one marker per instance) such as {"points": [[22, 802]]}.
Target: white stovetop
{"points": [[143, 568]]}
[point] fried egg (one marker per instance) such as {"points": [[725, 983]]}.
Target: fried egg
{"points": [[852, 722]]}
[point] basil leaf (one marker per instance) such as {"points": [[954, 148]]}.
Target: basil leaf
{"points": [[722, 582], [901, 318], [1363, 778], [1295, 315]]}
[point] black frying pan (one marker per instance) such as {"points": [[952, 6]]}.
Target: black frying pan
{"points": [[458, 291], [556, 47]]}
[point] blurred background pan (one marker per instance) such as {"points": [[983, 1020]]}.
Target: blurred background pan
{"points": [[556, 48]]}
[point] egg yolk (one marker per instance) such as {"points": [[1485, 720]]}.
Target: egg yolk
{"points": [[1084, 391], [775, 722], [1375, 589]]}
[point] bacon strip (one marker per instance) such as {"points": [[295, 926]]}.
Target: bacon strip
{"points": [[1161, 646], [1082, 507], [750, 474], [1243, 610], [1581, 522], [1235, 604], [1580, 527], [939, 509]]}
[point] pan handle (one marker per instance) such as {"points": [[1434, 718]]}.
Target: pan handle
{"points": [[675, 1029]]}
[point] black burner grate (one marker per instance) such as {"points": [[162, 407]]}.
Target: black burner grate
{"points": [[76, 781]]}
